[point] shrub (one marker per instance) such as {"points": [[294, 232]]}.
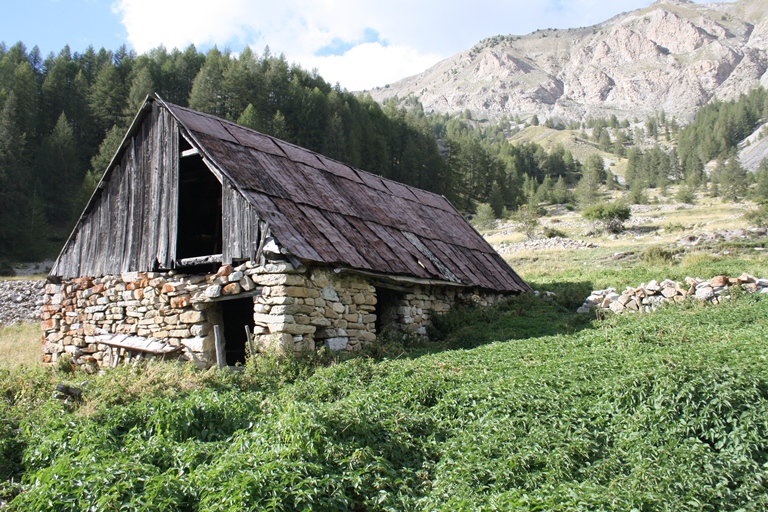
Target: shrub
{"points": [[484, 217], [759, 217], [657, 255], [686, 195], [527, 218], [551, 232], [610, 216]]}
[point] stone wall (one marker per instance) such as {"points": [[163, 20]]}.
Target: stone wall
{"points": [[648, 297], [295, 309]]}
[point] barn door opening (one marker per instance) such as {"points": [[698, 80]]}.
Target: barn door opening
{"points": [[199, 221], [387, 302], [236, 314]]}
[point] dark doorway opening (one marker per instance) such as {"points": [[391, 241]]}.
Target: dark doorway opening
{"points": [[235, 316], [387, 302], [199, 222]]}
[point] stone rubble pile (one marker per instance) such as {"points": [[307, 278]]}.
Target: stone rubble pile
{"points": [[20, 301], [727, 235], [648, 297], [543, 244]]}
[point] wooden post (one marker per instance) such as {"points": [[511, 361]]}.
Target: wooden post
{"points": [[221, 358], [251, 352]]}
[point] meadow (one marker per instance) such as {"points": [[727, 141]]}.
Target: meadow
{"points": [[525, 406]]}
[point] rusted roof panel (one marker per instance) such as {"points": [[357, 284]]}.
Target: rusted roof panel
{"points": [[366, 247], [373, 181], [298, 154], [399, 190], [432, 200], [209, 125], [339, 169], [254, 140], [327, 212]]}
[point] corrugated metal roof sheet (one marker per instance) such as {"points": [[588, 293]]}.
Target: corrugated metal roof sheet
{"points": [[328, 212]]}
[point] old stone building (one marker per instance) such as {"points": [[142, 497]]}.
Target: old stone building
{"points": [[200, 228]]}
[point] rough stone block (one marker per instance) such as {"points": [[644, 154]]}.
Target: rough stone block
{"points": [[336, 343], [199, 343], [247, 284], [719, 281], [192, 317], [180, 301], [213, 291], [231, 289]]}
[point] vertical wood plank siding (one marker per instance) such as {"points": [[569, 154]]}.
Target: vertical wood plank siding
{"points": [[239, 225], [132, 222]]}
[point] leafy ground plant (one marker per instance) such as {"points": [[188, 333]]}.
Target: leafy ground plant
{"points": [[648, 412]]}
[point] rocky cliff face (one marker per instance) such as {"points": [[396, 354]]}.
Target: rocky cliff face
{"points": [[673, 55]]}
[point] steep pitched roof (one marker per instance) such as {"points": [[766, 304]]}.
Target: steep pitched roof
{"points": [[325, 211]]}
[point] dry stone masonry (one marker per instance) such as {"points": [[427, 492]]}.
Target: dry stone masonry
{"points": [[648, 297], [115, 318]]}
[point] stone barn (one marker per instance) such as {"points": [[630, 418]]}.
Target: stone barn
{"points": [[203, 230]]}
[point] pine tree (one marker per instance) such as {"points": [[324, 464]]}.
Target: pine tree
{"points": [[760, 193], [560, 193], [59, 172], [250, 119], [207, 91], [13, 179], [142, 85]]}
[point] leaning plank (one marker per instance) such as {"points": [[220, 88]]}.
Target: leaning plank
{"points": [[219, 339], [138, 343]]}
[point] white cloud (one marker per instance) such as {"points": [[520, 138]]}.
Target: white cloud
{"points": [[411, 35], [368, 65]]}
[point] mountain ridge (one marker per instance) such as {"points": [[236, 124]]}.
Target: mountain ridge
{"points": [[673, 55]]}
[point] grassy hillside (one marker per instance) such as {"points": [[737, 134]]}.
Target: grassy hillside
{"points": [[647, 412], [527, 406]]}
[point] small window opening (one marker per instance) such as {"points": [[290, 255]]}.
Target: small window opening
{"points": [[236, 314], [387, 302], [199, 222]]}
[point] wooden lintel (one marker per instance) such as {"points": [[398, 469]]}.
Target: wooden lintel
{"points": [[199, 260], [401, 279], [253, 293]]}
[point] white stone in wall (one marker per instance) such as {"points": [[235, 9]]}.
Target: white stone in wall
{"points": [[199, 343], [336, 343], [213, 291], [329, 294]]}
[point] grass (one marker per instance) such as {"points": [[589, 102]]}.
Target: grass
{"points": [[19, 345], [524, 406], [651, 412]]}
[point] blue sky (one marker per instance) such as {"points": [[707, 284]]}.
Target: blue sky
{"points": [[358, 43]]}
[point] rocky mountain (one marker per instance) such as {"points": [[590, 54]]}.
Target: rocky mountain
{"points": [[673, 55]]}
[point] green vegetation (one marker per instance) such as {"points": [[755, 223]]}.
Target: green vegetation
{"points": [[524, 406], [611, 216]]}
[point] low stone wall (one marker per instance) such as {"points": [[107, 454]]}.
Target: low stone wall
{"points": [[302, 309], [294, 309], [650, 296]]}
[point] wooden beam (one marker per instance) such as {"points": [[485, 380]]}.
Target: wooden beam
{"points": [[253, 293], [221, 357], [190, 152], [250, 341], [400, 279], [199, 260]]}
